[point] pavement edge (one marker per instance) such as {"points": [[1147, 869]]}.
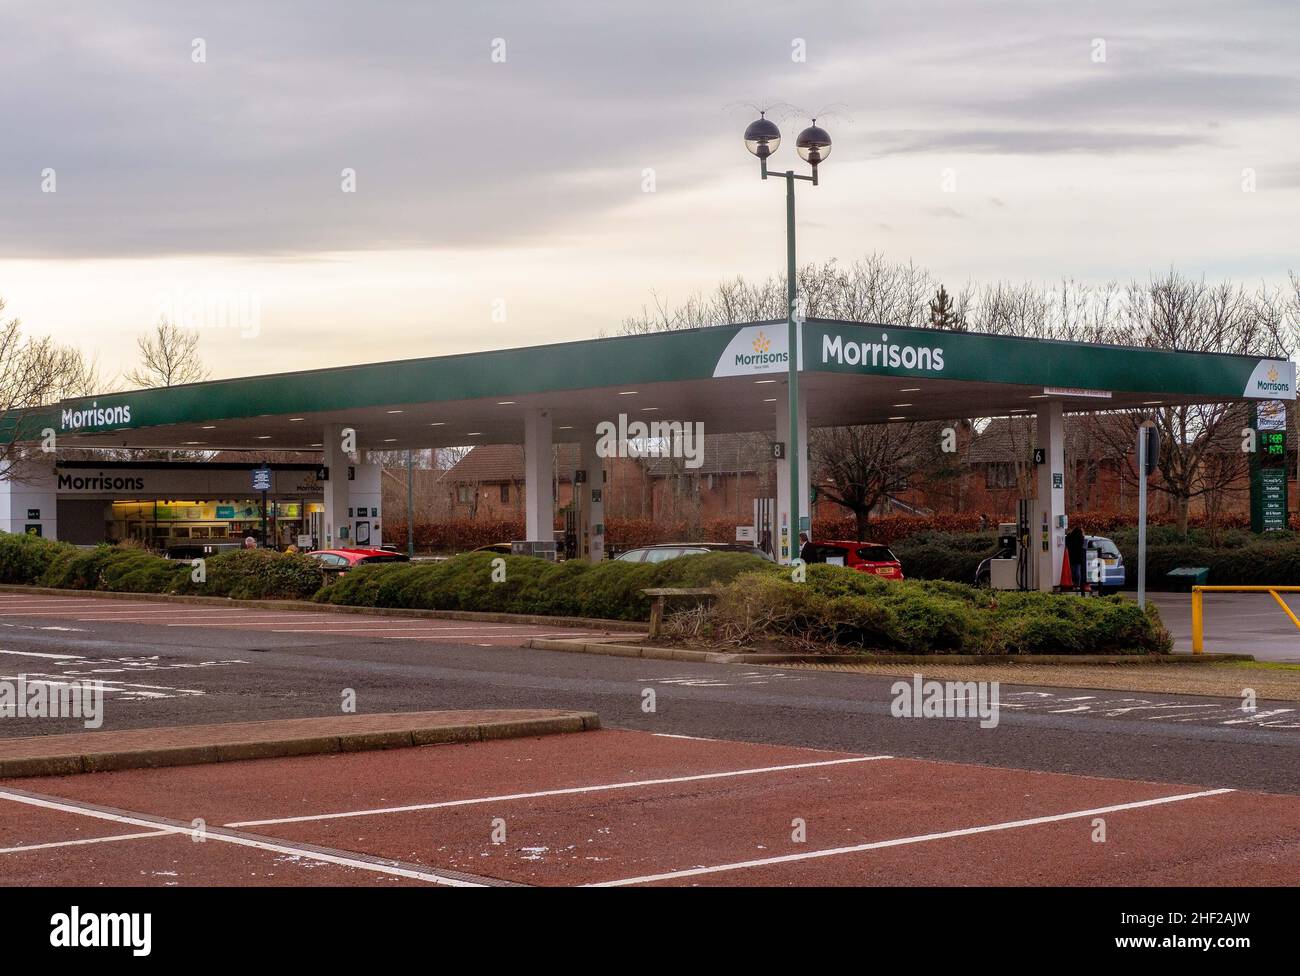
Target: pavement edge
{"points": [[189, 755]]}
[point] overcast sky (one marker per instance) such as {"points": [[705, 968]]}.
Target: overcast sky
{"points": [[501, 151]]}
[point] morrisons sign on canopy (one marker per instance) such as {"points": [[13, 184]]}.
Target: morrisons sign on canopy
{"points": [[881, 355], [94, 416]]}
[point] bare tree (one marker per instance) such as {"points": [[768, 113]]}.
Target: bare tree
{"points": [[871, 289], [35, 372], [421, 458], [1293, 311], [1200, 453], [169, 356], [858, 467]]}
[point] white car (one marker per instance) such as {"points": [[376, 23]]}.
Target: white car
{"points": [[1113, 573]]}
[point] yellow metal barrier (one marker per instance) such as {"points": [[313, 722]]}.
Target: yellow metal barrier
{"points": [[1198, 608]]}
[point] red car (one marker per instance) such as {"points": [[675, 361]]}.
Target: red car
{"points": [[865, 557], [341, 560]]}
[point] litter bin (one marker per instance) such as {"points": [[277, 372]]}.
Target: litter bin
{"points": [[1184, 578]]}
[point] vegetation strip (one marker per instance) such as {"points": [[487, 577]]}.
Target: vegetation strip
{"points": [[757, 605]]}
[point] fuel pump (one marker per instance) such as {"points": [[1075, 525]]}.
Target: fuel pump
{"points": [[1015, 566], [582, 541], [569, 547], [1024, 563]]}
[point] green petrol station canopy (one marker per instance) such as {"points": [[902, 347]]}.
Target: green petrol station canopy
{"points": [[727, 377]]}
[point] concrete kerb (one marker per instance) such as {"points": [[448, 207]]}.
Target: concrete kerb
{"points": [[111, 760], [588, 623], [740, 657]]}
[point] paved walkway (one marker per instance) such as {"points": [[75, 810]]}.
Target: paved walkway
{"points": [[88, 752]]}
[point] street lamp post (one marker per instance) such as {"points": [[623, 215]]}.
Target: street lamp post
{"points": [[813, 145]]}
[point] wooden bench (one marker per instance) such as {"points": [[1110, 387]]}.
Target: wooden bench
{"points": [[661, 595]]}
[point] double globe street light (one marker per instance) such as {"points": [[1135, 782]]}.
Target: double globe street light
{"points": [[762, 138]]}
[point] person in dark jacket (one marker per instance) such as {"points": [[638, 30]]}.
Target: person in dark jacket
{"points": [[1077, 549], [807, 551]]}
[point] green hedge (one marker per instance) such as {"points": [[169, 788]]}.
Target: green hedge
{"points": [[944, 556], [244, 574], [256, 574], [25, 558], [848, 609], [113, 568], [1234, 556], [757, 603], [1240, 559], [611, 590]]}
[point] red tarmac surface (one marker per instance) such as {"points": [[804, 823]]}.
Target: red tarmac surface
{"points": [[729, 825]]}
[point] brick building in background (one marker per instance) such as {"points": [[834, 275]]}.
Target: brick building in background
{"points": [[488, 482], [995, 469]]}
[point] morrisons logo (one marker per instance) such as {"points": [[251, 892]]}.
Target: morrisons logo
{"points": [[94, 416], [761, 356], [1272, 384], [882, 354]]}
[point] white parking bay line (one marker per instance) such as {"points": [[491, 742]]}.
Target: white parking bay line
{"points": [[901, 841], [277, 847], [565, 791], [232, 623], [52, 611], [85, 840], [175, 611], [58, 657], [71, 601], [419, 632], [479, 634], [102, 597]]}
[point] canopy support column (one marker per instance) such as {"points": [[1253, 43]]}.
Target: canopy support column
{"points": [[539, 477], [1051, 497], [787, 535], [592, 500], [337, 525]]}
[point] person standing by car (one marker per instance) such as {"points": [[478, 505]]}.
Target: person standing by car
{"points": [[806, 550], [1077, 549]]}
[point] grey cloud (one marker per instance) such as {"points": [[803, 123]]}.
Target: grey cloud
{"points": [[1033, 141], [242, 155], [1178, 96]]}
